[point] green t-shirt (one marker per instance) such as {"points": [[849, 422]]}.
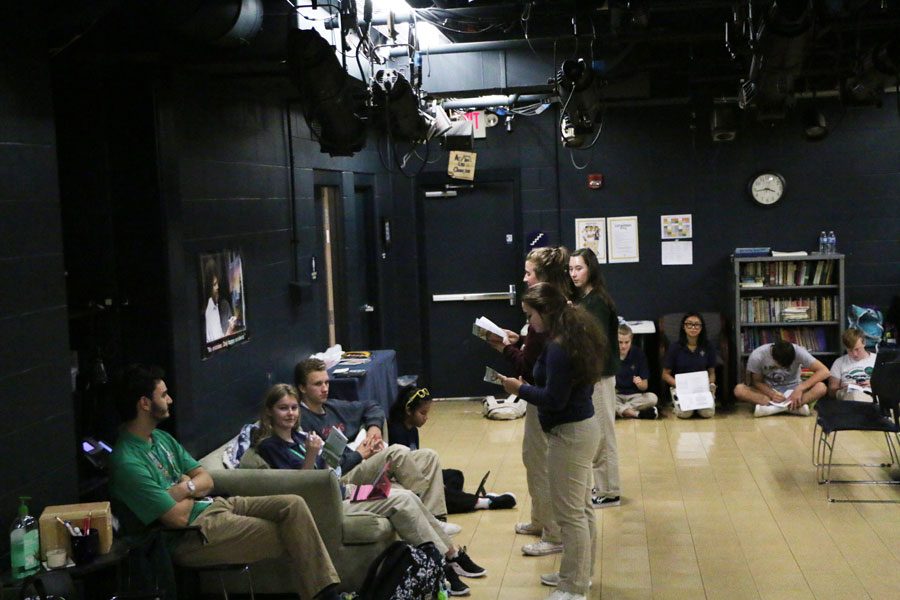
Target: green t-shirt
{"points": [[141, 472], [609, 323]]}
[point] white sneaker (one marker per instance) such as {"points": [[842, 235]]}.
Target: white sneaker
{"points": [[552, 579], [560, 595], [541, 548], [528, 529], [803, 411], [767, 410], [450, 528]]}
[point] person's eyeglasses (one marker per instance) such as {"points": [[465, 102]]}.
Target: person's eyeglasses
{"points": [[693, 325], [419, 393]]}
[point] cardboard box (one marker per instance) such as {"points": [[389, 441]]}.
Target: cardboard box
{"points": [[55, 535]]}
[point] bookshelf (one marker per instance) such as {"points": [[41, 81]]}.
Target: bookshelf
{"points": [[798, 298]]}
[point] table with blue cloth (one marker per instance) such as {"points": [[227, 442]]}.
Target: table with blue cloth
{"points": [[379, 384]]}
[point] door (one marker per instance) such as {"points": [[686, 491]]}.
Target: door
{"points": [[472, 265], [361, 308]]}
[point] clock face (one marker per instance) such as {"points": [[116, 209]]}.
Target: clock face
{"points": [[767, 188]]}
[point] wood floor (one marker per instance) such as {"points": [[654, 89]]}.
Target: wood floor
{"points": [[722, 508]]}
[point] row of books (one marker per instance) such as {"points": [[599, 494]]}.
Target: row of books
{"points": [[758, 309], [786, 273], [813, 339]]}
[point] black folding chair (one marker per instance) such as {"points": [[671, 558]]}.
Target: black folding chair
{"points": [[834, 416]]}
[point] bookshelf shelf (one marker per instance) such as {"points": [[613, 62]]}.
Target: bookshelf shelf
{"points": [[773, 286]]}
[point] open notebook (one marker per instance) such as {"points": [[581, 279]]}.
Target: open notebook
{"points": [[380, 488]]}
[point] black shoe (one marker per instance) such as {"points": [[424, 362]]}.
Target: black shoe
{"points": [[463, 565], [457, 587], [648, 413], [480, 492], [499, 501]]}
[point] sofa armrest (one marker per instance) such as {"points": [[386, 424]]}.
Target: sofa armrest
{"points": [[320, 490]]}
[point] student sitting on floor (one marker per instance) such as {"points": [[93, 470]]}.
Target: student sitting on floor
{"points": [[691, 353], [775, 380], [410, 412], [851, 374], [281, 444], [632, 398]]}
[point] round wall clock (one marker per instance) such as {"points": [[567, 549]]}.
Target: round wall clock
{"points": [[766, 188]]}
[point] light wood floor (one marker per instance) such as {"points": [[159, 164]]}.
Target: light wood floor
{"points": [[722, 508]]}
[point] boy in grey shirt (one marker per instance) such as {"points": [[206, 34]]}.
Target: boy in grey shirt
{"points": [[775, 384]]}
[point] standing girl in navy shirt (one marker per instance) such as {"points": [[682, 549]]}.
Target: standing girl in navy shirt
{"points": [[564, 377]]}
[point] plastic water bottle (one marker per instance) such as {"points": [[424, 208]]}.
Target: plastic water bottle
{"points": [[24, 543], [832, 243], [822, 242]]}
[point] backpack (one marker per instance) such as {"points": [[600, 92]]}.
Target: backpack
{"points": [[503, 409], [404, 572], [869, 320]]}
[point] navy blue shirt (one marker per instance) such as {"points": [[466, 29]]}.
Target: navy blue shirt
{"points": [[681, 360], [557, 399], [634, 363], [399, 434], [347, 416], [281, 454]]}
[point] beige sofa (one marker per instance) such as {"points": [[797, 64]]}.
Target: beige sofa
{"points": [[353, 541]]}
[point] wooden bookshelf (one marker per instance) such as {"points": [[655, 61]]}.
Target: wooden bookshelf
{"points": [[797, 298]]}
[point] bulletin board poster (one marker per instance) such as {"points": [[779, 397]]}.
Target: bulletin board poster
{"points": [[676, 227], [623, 239], [223, 304], [591, 233]]}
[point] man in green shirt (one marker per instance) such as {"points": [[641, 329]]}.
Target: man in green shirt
{"points": [[155, 477]]}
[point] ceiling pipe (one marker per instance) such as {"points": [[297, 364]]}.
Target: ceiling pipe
{"points": [[496, 100]]}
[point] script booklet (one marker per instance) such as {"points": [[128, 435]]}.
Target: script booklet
{"points": [[333, 448], [492, 376], [693, 390], [484, 326], [380, 488]]}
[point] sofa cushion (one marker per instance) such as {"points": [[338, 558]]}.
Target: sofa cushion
{"points": [[366, 528]]}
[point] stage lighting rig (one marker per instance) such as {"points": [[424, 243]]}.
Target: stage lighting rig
{"points": [[579, 90], [396, 107]]}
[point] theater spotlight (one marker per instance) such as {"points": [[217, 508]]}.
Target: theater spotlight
{"points": [[397, 107], [723, 123], [438, 121], [333, 102], [815, 127], [579, 89]]}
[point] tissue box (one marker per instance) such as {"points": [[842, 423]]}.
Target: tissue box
{"points": [[55, 535]]}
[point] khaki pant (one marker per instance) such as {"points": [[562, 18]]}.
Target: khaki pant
{"points": [[534, 456], [244, 530], [411, 520], [606, 457], [416, 470], [571, 446], [706, 413], [634, 401]]}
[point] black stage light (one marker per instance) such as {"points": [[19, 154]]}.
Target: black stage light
{"points": [[815, 127], [393, 97], [333, 102]]}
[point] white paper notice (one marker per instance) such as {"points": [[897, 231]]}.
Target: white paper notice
{"points": [[622, 233], [693, 390], [680, 252]]}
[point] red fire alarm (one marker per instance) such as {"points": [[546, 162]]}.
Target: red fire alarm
{"points": [[595, 181]]}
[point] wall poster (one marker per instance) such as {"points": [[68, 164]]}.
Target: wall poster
{"points": [[623, 239], [591, 233], [223, 308]]}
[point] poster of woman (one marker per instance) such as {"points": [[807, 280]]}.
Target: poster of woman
{"points": [[223, 307]]}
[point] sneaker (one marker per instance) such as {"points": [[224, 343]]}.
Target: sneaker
{"points": [[803, 411], [457, 587], [541, 548], [561, 595], [499, 501], [767, 410], [552, 579], [465, 566], [528, 529], [648, 413], [605, 501], [450, 528]]}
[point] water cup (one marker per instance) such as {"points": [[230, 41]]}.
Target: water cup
{"points": [[56, 558], [85, 547]]}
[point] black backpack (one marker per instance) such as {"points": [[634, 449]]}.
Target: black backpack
{"points": [[404, 572]]}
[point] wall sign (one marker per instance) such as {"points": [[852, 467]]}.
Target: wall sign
{"points": [[461, 165]]}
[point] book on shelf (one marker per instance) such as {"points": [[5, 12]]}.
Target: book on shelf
{"points": [[790, 253], [750, 252], [752, 283]]}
